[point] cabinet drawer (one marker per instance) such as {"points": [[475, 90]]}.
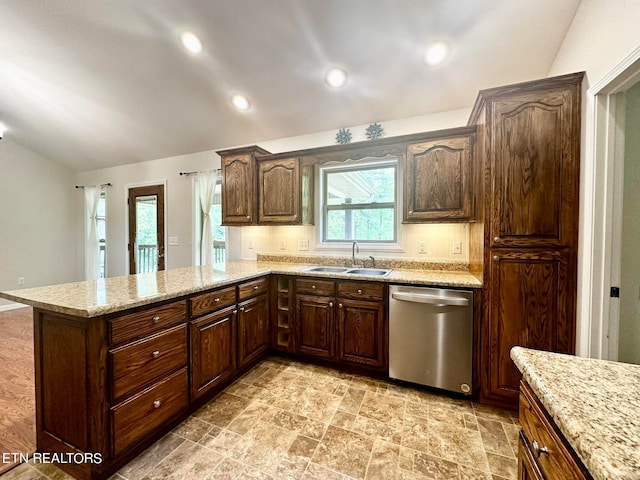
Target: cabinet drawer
{"points": [[253, 288], [146, 322], [361, 291], [315, 287], [137, 364], [208, 302], [549, 451], [135, 418]]}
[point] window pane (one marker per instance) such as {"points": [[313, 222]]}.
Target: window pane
{"points": [[361, 186], [374, 224]]}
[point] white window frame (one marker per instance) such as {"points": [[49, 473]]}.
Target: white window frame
{"points": [[371, 246]]}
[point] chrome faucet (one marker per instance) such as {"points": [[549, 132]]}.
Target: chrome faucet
{"points": [[354, 248]]}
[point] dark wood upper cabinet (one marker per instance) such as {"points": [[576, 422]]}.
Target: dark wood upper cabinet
{"points": [[534, 169], [279, 191], [439, 179], [239, 185]]}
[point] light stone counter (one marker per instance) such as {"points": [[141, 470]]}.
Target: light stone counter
{"points": [[594, 403], [94, 298]]}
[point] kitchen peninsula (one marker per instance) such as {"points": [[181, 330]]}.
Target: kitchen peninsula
{"points": [[579, 417], [120, 361]]}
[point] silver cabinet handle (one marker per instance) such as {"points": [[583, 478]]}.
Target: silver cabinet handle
{"points": [[248, 217], [440, 301], [359, 291], [255, 287], [157, 403], [496, 239], [156, 354], [156, 319], [242, 309], [313, 287], [216, 300], [496, 258], [410, 212], [235, 311], [331, 304], [339, 305], [537, 449]]}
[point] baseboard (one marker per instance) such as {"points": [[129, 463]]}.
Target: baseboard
{"points": [[12, 306]]}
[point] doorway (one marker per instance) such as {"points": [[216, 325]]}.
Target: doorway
{"points": [[146, 229], [610, 161]]}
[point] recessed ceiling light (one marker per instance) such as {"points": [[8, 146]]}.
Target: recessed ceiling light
{"points": [[240, 102], [436, 54], [2, 130], [191, 42], [335, 77]]}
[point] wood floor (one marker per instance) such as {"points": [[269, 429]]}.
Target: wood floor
{"points": [[17, 390]]}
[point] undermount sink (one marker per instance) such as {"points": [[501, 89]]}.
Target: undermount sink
{"points": [[324, 269], [374, 272]]}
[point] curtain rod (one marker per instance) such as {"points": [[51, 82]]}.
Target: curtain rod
{"points": [[195, 173], [101, 185]]}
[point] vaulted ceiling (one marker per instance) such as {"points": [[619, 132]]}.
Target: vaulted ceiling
{"points": [[95, 83]]}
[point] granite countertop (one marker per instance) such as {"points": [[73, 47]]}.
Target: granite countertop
{"points": [[595, 404], [94, 298]]}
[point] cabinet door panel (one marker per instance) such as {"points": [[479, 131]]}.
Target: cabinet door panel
{"points": [[530, 305], [314, 316], [238, 189], [361, 332], [279, 191], [213, 350], [438, 180], [253, 329], [535, 172]]}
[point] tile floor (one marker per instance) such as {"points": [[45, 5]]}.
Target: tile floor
{"points": [[290, 420]]}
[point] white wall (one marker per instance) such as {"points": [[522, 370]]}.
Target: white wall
{"points": [[39, 208], [629, 333], [601, 35], [179, 203]]}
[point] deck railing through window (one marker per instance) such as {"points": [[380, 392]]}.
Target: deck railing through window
{"points": [[147, 260], [218, 251]]}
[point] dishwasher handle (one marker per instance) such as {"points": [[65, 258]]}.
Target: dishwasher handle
{"points": [[430, 299]]}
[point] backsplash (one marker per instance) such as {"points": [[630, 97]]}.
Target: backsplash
{"points": [[419, 242], [395, 263]]}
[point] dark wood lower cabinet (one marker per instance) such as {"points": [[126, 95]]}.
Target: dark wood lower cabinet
{"points": [[529, 305], [253, 329], [213, 350], [361, 332], [315, 326]]}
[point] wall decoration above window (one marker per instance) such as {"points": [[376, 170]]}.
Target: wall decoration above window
{"points": [[343, 136], [374, 131]]}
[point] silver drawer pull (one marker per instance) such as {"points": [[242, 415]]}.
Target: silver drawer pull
{"points": [[537, 449], [313, 287], [359, 291], [339, 305], [496, 239], [156, 354], [216, 300], [496, 258], [156, 319], [248, 217], [255, 287], [157, 403], [331, 304]]}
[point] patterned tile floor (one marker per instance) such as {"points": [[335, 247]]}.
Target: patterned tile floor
{"points": [[290, 420]]}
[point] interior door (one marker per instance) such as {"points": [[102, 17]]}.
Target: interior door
{"points": [[146, 229]]}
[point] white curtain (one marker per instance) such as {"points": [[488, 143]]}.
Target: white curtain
{"points": [[91, 244], [206, 187]]}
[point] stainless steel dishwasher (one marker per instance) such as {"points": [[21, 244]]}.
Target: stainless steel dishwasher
{"points": [[431, 337]]}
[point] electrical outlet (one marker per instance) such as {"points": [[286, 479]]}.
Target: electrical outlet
{"points": [[422, 246], [20, 280], [174, 241], [283, 245], [456, 247], [250, 247], [303, 245]]}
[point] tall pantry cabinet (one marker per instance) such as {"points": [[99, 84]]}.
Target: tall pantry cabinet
{"points": [[529, 138]]}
